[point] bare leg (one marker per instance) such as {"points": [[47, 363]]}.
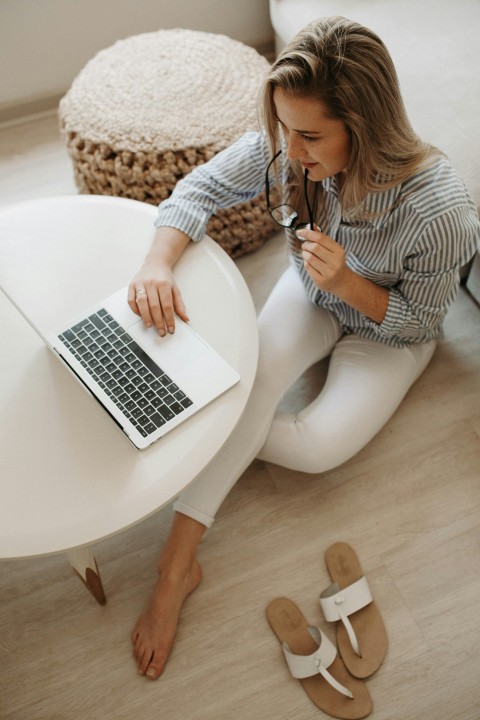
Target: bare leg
{"points": [[179, 574]]}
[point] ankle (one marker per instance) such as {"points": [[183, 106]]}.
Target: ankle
{"points": [[178, 559], [177, 569], [179, 581]]}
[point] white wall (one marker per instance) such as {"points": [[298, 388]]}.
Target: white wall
{"points": [[45, 43]]}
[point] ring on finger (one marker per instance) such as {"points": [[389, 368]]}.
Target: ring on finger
{"points": [[141, 292]]}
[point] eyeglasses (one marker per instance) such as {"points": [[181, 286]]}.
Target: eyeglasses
{"points": [[285, 215]]}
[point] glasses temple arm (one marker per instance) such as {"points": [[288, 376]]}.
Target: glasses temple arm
{"points": [[310, 213]]}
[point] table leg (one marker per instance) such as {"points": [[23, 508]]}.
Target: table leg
{"points": [[85, 566]]}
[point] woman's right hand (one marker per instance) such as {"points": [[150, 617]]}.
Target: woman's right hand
{"points": [[153, 293]]}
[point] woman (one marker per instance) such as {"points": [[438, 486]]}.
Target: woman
{"points": [[378, 225]]}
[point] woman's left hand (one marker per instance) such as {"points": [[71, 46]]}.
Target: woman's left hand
{"points": [[324, 261]]}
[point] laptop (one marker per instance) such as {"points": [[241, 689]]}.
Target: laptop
{"points": [[148, 384]]}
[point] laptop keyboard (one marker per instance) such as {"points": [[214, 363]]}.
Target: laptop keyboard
{"points": [[147, 396]]}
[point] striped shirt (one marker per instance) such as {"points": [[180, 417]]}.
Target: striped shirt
{"points": [[423, 232]]}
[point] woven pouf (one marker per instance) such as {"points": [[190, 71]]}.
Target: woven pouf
{"points": [[147, 110]]}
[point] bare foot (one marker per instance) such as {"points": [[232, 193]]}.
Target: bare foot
{"points": [[154, 633]]}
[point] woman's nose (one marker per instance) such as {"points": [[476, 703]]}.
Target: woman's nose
{"points": [[294, 147]]}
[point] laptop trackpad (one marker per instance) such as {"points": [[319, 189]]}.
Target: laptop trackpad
{"points": [[173, 351]]}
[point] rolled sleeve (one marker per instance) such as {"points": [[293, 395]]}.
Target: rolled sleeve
{"points": [[233, 176], [185, 216]]}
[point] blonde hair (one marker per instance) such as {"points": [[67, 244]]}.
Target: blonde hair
{"points": [[348, 68]]}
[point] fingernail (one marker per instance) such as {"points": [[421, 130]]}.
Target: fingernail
{"points": [[150, 673], [171, 329]]}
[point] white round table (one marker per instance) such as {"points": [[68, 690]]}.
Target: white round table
{"points": [[69, 477]]}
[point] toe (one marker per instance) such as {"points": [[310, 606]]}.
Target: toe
{"points": [[144, 662], [154, 669], [141, 656]]}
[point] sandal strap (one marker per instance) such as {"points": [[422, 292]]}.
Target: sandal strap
{"points": [[302, 666], [339, 604]]}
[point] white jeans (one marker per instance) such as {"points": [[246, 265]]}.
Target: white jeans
{"points": [[366, 382]]}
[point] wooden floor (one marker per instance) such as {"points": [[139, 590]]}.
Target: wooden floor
{"points": [[409, 503]]}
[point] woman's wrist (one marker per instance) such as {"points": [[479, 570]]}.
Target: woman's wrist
{"points": [[365, 296], [167, 246]]}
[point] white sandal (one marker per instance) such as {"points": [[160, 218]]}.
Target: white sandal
{"points": [[302, 666], [313, 660], [338, 604], [361, 635]]}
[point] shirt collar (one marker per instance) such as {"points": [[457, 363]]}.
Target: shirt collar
{"points": [[380, 204]]}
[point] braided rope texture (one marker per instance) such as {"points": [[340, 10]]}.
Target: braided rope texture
{"points": [[147, 110]]}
